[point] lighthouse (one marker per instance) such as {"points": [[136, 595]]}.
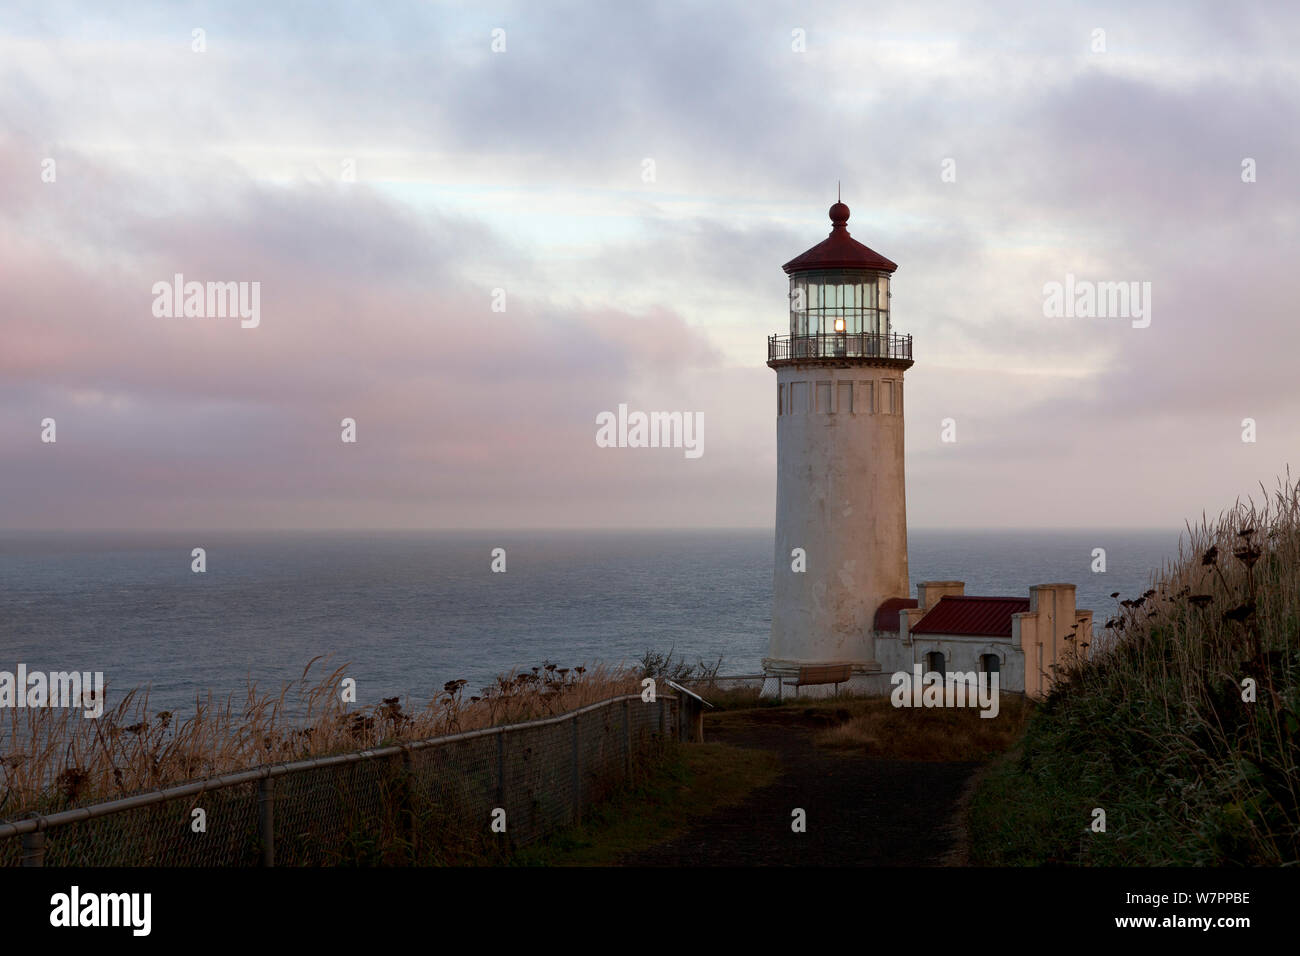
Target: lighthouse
{"points": [[841, 521]]}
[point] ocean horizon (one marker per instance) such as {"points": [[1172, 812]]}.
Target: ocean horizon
{"points": [[409, 611]]}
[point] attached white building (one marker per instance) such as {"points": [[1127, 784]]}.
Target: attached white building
{"points": [[1025, 639]]}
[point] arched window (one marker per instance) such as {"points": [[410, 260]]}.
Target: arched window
{"points": [[990, 663]]}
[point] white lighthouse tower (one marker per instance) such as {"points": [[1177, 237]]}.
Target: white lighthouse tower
{"points": [[841, 522]]}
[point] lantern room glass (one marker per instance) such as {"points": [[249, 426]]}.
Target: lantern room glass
{"points": [[849, 301]]}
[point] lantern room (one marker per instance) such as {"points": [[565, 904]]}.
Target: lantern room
{"points": [[839, 301], [850, 301]]}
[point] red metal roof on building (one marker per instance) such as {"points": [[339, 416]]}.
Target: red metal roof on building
{"points": [[982, 616], [887, 613], [839, 251]]}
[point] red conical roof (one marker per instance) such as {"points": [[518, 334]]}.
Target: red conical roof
{"points": [[840, 250]]}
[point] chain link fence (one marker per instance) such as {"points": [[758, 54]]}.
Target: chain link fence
{"points": [[461, 798]]}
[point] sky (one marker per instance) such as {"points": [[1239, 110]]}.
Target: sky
{"points": [[474, 252]]}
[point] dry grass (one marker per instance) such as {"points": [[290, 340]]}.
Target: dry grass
{"points": [[1157, 727], [57, 759], [880, 729]]}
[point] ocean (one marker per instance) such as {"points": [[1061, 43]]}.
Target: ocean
{"points": [[410, 611]]}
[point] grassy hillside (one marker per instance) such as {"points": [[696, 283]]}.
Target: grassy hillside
{"points": [[1184, 727]]}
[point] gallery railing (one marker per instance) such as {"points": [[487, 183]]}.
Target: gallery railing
{"points": [[823, 345]]}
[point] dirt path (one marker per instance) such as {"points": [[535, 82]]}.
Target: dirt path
{"points": [[861, 811]]}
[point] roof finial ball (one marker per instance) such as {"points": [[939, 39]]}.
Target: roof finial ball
{"points": [[839, 215]]}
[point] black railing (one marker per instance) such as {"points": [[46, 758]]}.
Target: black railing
{"points": [[831, 345]]}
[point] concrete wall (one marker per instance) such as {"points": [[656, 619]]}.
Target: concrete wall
{"points": [[930, 593], [840, 497], [1050, 634], [963, 652]]}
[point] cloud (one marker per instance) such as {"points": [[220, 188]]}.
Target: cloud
{"points": [[523, 171]]}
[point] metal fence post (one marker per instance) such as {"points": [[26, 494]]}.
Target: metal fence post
{"points": [[266, 816], [34, 848], [407, 798], [627, 741], [501, 769], [577, 776]]}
